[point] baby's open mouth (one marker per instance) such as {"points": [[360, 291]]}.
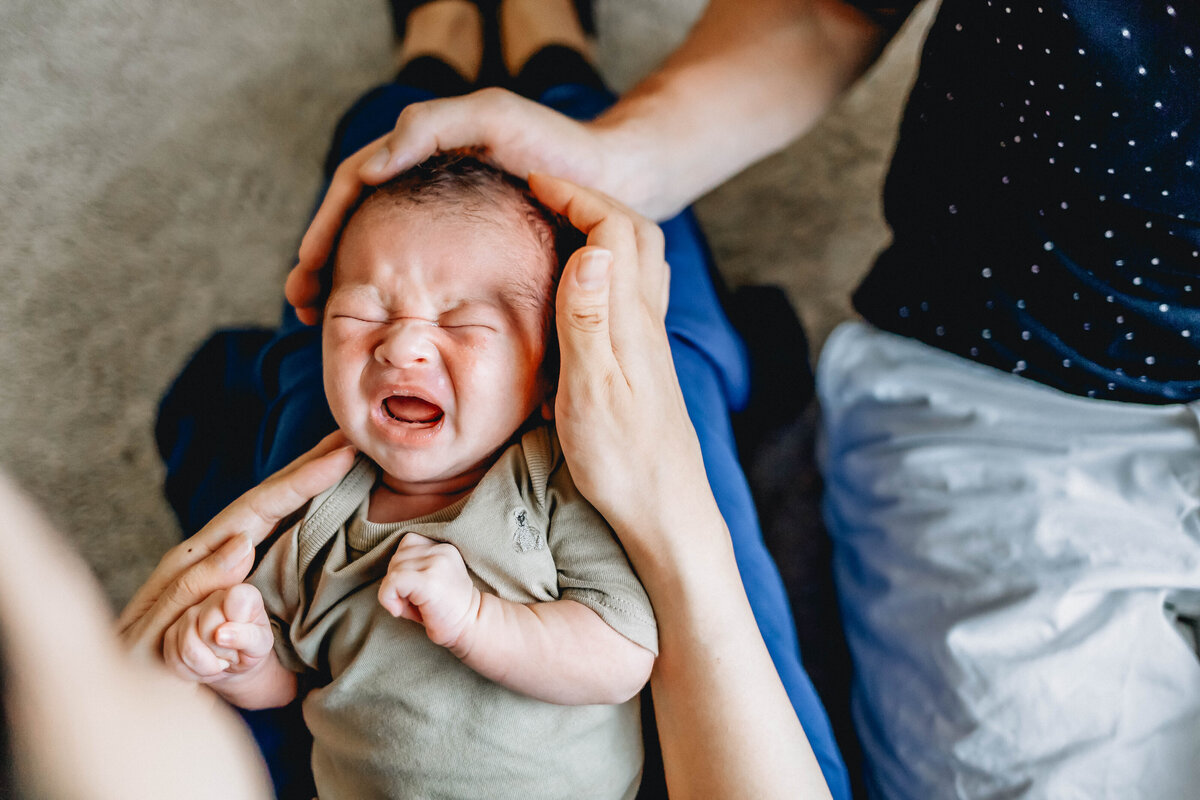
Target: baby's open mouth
{"points": [[412, 410]]}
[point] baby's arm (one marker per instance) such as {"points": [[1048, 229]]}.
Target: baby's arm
{"points": [[559, 652], [226, 642]]}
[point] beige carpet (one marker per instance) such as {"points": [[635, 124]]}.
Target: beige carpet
{"points": [[158, 161]]}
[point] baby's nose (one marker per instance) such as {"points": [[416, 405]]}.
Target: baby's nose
{"points": [[408, 343]]}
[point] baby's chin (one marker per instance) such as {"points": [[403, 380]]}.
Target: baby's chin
{"points": [[425, 463], [424, 472]]}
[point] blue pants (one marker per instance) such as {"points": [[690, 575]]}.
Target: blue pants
{"points": [[710, 361]]}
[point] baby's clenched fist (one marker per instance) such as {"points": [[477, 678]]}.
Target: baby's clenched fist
{"points": [[427, 582], [226, 634]]}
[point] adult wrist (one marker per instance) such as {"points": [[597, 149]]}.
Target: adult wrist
{"points": [[681, 540], [630, 172]]}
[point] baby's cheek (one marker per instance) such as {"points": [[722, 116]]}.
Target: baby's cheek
{"points": [[342, 391], [343, 348], [336, 401]]}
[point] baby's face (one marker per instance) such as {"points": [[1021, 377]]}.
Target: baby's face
{"points": [[433, 339]]}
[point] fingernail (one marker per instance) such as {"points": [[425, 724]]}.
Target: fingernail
{"points": [[378, 161], [593, 269], [223, 664], [234, 551], [224, 637]]}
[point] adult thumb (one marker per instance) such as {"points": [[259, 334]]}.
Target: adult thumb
{"points": [[583, 311]]}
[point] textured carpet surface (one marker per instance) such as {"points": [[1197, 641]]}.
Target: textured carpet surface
{"points": [[158, 161]]}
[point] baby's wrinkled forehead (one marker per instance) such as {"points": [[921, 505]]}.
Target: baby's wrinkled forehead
{"points": [[507, 214], [506, 261], [460, 187], [527, 247]]}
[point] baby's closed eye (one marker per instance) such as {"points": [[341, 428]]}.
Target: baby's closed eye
{"points": [[467, 319], [356, 312], [357, 318]]}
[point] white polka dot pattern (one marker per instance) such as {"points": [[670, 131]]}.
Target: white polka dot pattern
{"points": [[1045, 199]]}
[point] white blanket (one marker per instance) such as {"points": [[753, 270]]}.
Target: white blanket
{"points": [[1011, 562]]}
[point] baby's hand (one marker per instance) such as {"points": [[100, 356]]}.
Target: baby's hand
{"points": [[428, 583], [225, 635]]}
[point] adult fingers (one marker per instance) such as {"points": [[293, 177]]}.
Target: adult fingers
{"points": [[652, 264], [585, 347], [423, 129], [517, 134], [664, 291], [303, 289], [317, 242], [609, 229], [255, 514], [220, 555], [412, 142], [258, 511], [229, 565], [637, 243]]}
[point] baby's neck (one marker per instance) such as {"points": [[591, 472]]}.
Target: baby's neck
{"points": [[392, 501], [389, 506]]}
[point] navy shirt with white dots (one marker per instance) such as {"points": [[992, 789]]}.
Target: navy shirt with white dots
{"points": [[1044, 196]]}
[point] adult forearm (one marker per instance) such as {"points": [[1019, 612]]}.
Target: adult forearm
{"points": [[725, 722], [750, 78], [89, 719]]}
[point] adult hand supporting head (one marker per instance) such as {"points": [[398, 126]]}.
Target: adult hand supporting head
{"points": [[779, 63], [519, 135], [221, 554], [620, 413]]}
